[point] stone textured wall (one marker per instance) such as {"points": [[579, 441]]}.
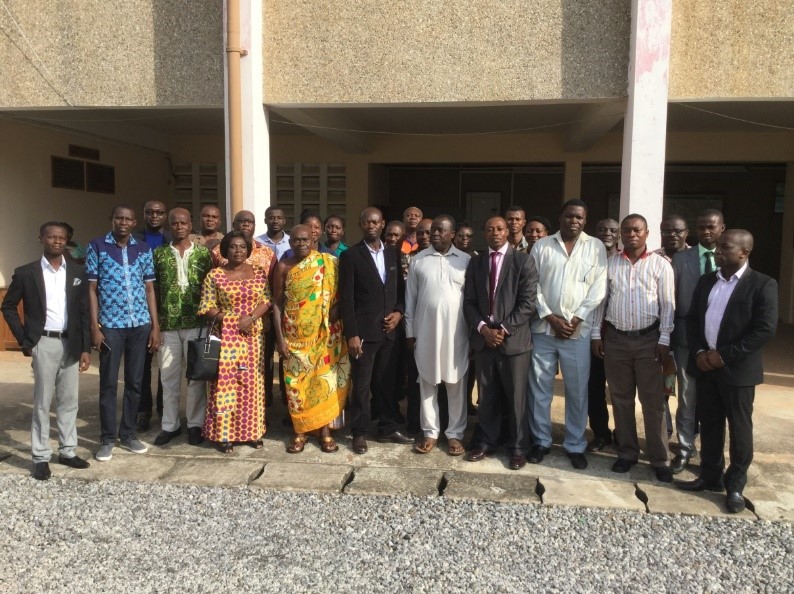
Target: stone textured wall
{"points": [[732, 48], [371, 51], [111, 53]]}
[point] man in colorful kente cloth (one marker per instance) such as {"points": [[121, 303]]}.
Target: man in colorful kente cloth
{"points": [[309, 340]]}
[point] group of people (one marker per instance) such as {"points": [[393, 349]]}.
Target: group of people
{"points": [[406, 312]]}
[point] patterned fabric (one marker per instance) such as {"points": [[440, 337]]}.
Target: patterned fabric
{"points": [[121, 274], [177, 308], [236, 401], [317, 371], [261, 257]]}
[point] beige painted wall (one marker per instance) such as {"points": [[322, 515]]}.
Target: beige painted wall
{"points": [[27, 200], [732, 48], [111, 53], [372, 51]]}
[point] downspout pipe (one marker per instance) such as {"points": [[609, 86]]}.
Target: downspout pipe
{"points": [[234, 53]]}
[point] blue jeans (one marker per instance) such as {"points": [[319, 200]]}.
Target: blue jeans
{"points": [[131, 343], [573, 355]]}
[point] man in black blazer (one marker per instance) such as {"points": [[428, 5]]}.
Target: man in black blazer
{"points": [[56, 334], [498, 317], [372, 299], [733, 314]]}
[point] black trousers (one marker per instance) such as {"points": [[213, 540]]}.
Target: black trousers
{"points": [[597, 410], [145, 403], [270, 350], [716, 403], [503, 385], [376, 371]]}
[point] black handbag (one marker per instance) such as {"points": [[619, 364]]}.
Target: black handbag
{"points": [[203, 355]]}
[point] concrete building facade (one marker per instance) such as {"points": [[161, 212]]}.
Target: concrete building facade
{"points": [[456, 106]]}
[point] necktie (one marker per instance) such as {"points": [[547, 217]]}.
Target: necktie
{"points": [[492, 280], [709, 262]]}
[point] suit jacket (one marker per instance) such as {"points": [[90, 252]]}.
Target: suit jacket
{"points": [[27, 285], [750, 321], [686, 268], [364, 299], [514, 302]]}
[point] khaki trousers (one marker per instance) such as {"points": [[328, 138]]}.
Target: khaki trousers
{"points": [[631, 368]]}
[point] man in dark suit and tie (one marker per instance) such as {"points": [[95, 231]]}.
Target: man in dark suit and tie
{"points": [[499, 298], [688, 266], [56, 334], [372, 300], [732, 316]]}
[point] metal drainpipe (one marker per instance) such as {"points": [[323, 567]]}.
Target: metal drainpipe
{"points": [[233, 55]]}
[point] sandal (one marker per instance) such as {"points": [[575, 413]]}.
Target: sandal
{"points": [[455, 447], [425, 446], [328, 444], [297, 444], [226, 447], [257, 444]]}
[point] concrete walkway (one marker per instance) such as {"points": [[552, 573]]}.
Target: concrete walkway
{"points": [[395, 470]]}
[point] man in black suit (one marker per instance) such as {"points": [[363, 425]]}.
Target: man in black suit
{"points": [[498, 300], [733, 314], [372, 299], [56, 334]]}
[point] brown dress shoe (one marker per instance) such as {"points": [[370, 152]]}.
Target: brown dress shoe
{"points": [[360, 445], [476, 455]]}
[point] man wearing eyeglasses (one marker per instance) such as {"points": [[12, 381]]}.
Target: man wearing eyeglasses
{"points": [[688, 267], [261, 256], [154, 234]]}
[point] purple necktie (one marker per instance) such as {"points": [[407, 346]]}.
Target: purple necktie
{"points": [[492, 281]]}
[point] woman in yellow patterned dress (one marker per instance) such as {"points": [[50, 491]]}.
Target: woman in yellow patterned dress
{"points": [[238, 293], [309, 340]]}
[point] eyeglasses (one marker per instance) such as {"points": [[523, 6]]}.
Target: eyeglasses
{"points": [[672, 232], [241, 221]]}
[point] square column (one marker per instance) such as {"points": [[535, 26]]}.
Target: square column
{"points": [[645, 127], [255, 117]]}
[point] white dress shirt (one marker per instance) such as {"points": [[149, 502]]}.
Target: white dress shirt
{"points": [[569, 286], [55, 289], [380, 260], [718, 300]]}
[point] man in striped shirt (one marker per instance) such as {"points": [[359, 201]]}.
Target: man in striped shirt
{"points": [[638, 314]]}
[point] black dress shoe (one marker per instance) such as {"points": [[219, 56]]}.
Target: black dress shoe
{"points": [[537, 454], [679, 464], [623, 465], [476, 454], [41, 471], [517, 461], [143, 421], [194, 437], [395, 437], [734, 502], [165, 436], [663, 474], [699, 485], [73, 462], [598, 444], [578, 460], [360, 445]]}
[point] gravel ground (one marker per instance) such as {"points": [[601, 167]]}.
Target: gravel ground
{"points": [[70, 535]]}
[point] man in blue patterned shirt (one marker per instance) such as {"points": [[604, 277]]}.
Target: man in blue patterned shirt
{"points": [[123, 317]]}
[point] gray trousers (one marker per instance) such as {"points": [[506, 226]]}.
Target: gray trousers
{"points": [[52, 375], [687, 400], [632, 371]]}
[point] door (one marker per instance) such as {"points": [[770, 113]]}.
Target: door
{"points": [[481, 206]]}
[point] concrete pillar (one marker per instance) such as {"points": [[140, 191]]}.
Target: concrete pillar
{"points": [[256, 136], [786, 276], [645, 127], [572, 183]]}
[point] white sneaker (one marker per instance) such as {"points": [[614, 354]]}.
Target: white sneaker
{"points": [[134, 445], [105, 452]]}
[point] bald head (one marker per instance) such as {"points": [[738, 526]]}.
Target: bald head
{"points": [[181, 224], [179, 211], [244, 222]]}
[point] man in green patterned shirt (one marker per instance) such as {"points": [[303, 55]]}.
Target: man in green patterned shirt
{"points": [[180, 267]]}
